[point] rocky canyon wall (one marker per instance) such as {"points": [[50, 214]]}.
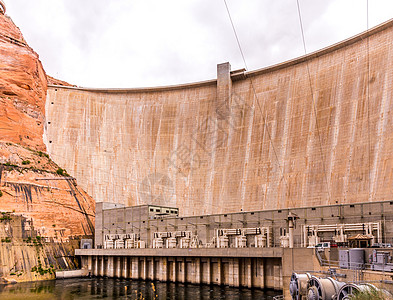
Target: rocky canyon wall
{"points": [[23, 87], [43, 212], [313, 131]]}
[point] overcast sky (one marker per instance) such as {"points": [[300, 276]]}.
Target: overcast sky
{"points": [[134, 43]]}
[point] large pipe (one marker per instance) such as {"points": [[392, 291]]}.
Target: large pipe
{"points": [[323, 288], [298, 286]]}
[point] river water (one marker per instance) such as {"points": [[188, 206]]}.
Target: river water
{"points": [[103, 288]]}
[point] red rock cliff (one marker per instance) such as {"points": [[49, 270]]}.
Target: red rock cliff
{"points": [[23, 86], [40, 204]]}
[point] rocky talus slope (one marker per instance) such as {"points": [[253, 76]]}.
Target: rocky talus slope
{"points": [[43, 213]]}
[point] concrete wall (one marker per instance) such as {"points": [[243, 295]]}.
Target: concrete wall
{"points": [[192, 147]]}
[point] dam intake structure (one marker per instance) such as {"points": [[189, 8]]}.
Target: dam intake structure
{"points": [[254, 249]]}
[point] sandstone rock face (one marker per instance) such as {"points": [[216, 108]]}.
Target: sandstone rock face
{"points": [[31, 187], [54, 81], [23, 88], [38, 202], [42, 210], [180, 146]]}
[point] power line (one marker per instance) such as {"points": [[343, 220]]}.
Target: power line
{"points": [[313, 101], [257, 100]]}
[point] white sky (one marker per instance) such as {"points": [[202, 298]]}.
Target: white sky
{"points": [[133, 43]]}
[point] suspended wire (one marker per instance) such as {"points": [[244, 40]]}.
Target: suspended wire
{"points": [[236, 36], [313, 102], [258, 104], [257, 101]]}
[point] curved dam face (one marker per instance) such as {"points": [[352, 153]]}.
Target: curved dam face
{"points": [[246, 141]]}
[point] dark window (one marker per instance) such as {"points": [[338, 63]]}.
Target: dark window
{"points": [[279, 211], [252, 213], [151, 209], [201, 217], [167, 211], [352, 205], [313, 208], [157, 210]]}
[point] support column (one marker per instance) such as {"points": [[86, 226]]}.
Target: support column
{"points": [[95, 273], [183, 271], [152, 273], [110, 268], [234, 273], [118, 267], [208, 271], [163, 276], [175, 270], [277, 277], [102, 266], [144, 269], [124, 271], [90, 264], [261, 273], [135, 268], [219, 271], [249, 272], [197, 271]]}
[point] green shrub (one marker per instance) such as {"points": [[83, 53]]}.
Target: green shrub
{"points": [[26, 162], [1, 194], [5, 216], [62, 172], [41, 154], [371, 294]]}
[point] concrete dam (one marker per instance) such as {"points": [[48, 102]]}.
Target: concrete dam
{"points": [[312, 131]]}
